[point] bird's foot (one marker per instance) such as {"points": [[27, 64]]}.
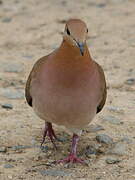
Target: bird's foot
{"points": [[48, 131], [72, 158]]}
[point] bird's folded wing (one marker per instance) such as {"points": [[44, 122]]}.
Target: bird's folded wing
{"points": [[33, 72], [103, 88]]}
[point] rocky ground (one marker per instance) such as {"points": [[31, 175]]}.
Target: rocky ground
{"points": [[30, 29]]}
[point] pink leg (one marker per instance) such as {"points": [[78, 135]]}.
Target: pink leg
{"points": [[48, 131], [73, 155]]}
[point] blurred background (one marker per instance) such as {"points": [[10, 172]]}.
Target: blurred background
{"points": [[30, 29]]}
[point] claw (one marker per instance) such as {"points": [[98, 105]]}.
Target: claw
{"points": [[72, 158]]}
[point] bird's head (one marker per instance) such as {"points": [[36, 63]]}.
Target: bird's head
{"points": [[76, 33]]}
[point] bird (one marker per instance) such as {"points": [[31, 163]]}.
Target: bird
{"points": [[67, 87]]}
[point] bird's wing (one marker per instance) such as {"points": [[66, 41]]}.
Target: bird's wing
{"points": [[33, 72], [103, 88]]}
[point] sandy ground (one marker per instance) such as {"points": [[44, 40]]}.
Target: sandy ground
{"points": [[30, 29]]}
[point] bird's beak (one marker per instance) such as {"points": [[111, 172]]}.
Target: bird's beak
{"points": [[81, 47]]}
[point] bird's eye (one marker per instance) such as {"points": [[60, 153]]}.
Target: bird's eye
{"points": [[68, 32], [87, 30]]}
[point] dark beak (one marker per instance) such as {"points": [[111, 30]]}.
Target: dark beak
{"points": [[81, 47]]}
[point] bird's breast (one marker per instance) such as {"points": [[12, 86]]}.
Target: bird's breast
{"points": [[66, 96]]}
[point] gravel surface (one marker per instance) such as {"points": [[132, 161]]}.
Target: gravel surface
{"points": [[30, 29]]}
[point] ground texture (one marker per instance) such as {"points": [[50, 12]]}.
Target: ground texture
{"points": [[30, 29]]}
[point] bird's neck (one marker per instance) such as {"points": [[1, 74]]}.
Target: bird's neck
{"points": [[73, 52]]}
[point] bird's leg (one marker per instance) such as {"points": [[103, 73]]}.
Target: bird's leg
{"points": [[48, 131], [73, 154]]}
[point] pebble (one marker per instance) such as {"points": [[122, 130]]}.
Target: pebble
{"points": [[62, 21], [118, 1], [112, 160], [16, 68], [103, 138], [13, 93], [101, 5], [118, 149], [7, 106], [3, 149], [15, 148], [28, 57], [90, 150], [44, 148], [95, 128], [8, 166], [99, 177], [62, 139], [127, 140], [6, 19], [112, 120], [115, 109], [10, 177], [69, 165], [55, 172], [130, 81], [11, 160]]}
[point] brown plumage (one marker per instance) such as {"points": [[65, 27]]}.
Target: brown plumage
{"points": [[67, 87]]}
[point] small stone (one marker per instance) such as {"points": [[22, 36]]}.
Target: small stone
{"points": [[130, 81], [62, 21], [112, 160], [15, 68], [101, 150], [101, 5], [118, 149], [16, 148], [115, 109], [8, 166], [7, 106], [44, 148], [37, 158], [127, 140], [54, 173], [95, 128], [64, 3], [62, 139], [6, 19], [28, 57], [103, 138], [69, 165], [3, 149], [11, 160], [118, 1], [92, 150], [13, 94], [10, 177], [112, 120], [20, 160], [99, 177]]}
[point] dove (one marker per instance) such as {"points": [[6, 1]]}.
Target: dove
{"points": [[67, 87]]}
